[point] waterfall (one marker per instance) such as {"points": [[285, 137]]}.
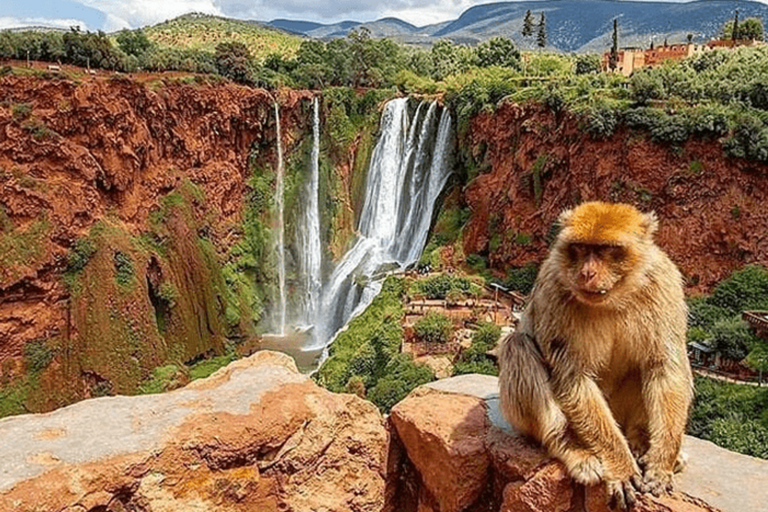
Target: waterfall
{"points": [[280, 238], [309, 232], [408, 170]]}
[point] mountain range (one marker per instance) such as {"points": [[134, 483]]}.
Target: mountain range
{"points": [[572, 25]]}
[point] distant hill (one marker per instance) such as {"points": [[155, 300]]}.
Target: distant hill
{"points": [[204, 32], [572, 25]]}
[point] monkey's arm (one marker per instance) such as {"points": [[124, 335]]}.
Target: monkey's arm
{"points": [[591, 419], [667, 395]]}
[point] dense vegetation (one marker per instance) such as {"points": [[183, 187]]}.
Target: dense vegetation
{"points": [[716, 321], [366, 358], [732, 415]]}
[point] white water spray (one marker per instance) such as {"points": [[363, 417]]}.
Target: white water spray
{"points": [[280, 238], [309, 232], [405, 178]]}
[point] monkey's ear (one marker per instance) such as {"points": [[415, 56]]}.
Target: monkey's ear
{"points": [[649, 224], [565, 218]]}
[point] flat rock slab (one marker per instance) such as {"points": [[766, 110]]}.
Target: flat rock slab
{"points": [[256, 435]]}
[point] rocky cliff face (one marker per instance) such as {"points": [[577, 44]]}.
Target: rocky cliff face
{"points": [[119, 202], [534, 163], [257, 435]]}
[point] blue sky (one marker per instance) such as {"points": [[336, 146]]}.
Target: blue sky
{"points": [[111, 15]]}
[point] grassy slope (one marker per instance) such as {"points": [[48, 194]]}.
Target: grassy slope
{"points": [[203, 32]]}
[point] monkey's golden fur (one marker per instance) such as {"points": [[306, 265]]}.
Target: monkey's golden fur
{"points": [[597, 370]]}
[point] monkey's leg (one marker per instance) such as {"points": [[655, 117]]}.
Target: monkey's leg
{"points": [[667, 393], [529, 405], [591, 419]]}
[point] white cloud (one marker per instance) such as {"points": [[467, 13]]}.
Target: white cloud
{"points": [[10, 22], [138, 13]]}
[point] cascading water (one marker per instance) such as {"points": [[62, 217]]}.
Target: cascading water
{"points": [[309, 233], [280, 238], [408, 170]]}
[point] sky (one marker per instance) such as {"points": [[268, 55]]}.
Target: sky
{"points": [[109, 15]]}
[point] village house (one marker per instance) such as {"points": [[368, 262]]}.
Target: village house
{"points": [[631, 59]]}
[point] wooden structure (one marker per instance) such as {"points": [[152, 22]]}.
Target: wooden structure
{"points": [[758, 320]]}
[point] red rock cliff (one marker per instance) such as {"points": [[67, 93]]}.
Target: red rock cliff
{"points": [[535, 163]]}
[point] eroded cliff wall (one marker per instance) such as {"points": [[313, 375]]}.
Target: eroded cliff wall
{"points": [[531, 163]]}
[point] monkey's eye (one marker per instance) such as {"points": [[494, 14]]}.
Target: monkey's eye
{"points": [[576, 252], [616, 253]]}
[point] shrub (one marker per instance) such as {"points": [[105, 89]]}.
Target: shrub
{"points": [[749, 140], [356, 386], [487, 334], [37, 355], [483, 367], [522, 278], [401, 376], [732, 338], [601, 122], [80, 254], [434, 328], [21, 111], [437, 287], [743, 290], [123, 268]]}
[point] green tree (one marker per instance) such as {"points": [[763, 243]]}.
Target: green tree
{"points": [[750, 28], [133, 42], [541, 38], [528, 24], [587, 64], [498, 51], [233, 60], [613, 60]]}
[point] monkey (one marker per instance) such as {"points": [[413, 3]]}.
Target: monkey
{"points": [[597, 369]]}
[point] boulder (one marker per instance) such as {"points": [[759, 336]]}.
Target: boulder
{"points": [[467, 458], [255, 436]]}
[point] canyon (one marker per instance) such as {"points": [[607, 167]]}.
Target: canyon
{"points": [[137, 215]]}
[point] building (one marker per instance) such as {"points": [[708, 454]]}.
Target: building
{"points": [[632, 59]]}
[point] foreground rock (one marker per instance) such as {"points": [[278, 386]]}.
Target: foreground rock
{"points": [[463, 456], [255, 436]]}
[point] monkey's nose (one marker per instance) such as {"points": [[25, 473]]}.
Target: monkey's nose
{"points": [[588, 274]]}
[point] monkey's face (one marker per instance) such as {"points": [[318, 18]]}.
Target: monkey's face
{"points": [[595, 271]]}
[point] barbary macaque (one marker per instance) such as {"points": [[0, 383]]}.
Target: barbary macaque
{"points": [[597, 370]]}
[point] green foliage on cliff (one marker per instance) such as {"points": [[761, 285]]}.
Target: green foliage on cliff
{"points": [[733, 416], [433, 328], [369, 350], [475, 359], [440, 285], [716, 320]]}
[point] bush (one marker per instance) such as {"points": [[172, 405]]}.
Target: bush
{"points": [[233, 60], [21, 111], [401, 376], [434, 328], [80, 254], [487, 334], [732, 338], [484, 367], [522, 278], [123, 268], [37, 355], [749, 140], [743, 290], [732, 415], [437, 287]]}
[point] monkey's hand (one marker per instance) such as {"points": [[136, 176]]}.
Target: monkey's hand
{"points": [[621, 493], [656, 480]]}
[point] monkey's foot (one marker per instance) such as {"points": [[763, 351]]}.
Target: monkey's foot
{"points": [[621, 494], [587, 470], [657, 481]]}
